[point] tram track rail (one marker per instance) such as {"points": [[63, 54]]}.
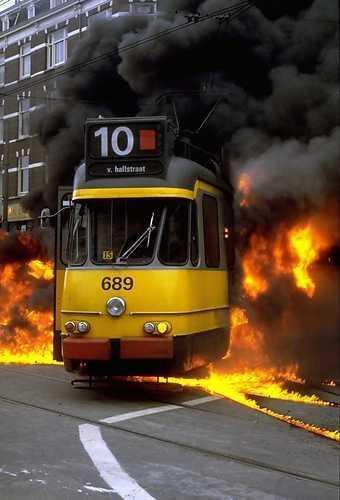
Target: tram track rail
{"points": [[243, 460]]}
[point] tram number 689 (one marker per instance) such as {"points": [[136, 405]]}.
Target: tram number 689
{"points": [[117, 283]]}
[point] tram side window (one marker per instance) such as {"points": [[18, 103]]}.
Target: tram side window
{"points": [[174, 245], [194, 235], [78, 236], [211, 233]]}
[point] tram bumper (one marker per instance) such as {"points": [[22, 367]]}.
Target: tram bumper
{"points": [[161, 356], [129, 348], [86, 349], [145, 348]]}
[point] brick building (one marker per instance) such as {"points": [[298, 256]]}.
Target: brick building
{"points": [[36, 39]]}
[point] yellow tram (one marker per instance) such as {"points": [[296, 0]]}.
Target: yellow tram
{"points": [[143, 254]]}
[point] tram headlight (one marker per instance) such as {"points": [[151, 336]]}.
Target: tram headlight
{"points": [[70, 326], [157, 328], [83, 327], [115, 306], [149, 327], [163, 327], [77, 326]]}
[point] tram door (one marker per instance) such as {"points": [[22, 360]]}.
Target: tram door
{"points": [[63, 217]]}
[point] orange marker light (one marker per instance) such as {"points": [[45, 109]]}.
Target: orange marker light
{"points": [[147, 140]]}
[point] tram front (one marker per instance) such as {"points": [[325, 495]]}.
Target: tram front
{"points": [[145, 289]]}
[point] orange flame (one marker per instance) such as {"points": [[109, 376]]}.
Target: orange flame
{"points": [[246, 343], [289, 252], [250, 373], [240, 386], [306, 249], [244, 188], [40, 270], [25, 335], [254, 263], [238, 317]]}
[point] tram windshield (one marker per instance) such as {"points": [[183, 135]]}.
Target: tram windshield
{"points": [[124, 231], [77, 241]]}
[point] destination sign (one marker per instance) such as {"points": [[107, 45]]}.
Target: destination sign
{"points": [[135, 168], [125, 146]]}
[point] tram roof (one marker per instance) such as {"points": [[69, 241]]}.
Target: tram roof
{"points": [[181, 173]]}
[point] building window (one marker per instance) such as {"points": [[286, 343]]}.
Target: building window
{"points": [[211, 234], [24, 117], [31, 11], [2, 124], [5, 23], [25, 60], [23, 175], [55, 3], [56, 48], [142, 7], [2, 70]]}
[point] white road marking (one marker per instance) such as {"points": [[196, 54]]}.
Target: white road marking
{"points": [[157, 409], [97, 489], [107, 464], [200, 401], [2, 471], [139, 413]]}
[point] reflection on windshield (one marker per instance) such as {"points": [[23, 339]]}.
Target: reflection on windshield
{"points": [[124, 230]]}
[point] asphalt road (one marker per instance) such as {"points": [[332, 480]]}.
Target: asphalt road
{"points": [[123, 441]]}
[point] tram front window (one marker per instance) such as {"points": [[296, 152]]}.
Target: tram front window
{"points": [[77, 243], [124, 231]]}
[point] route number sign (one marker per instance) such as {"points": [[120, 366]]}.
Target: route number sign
{"points": [[123, 141], [125, 147]]}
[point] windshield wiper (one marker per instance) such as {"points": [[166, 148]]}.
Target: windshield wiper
{"points": [[144, 236]]}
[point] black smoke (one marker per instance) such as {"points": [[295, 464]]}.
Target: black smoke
{"points": [[19, 247], [274, 70]]}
